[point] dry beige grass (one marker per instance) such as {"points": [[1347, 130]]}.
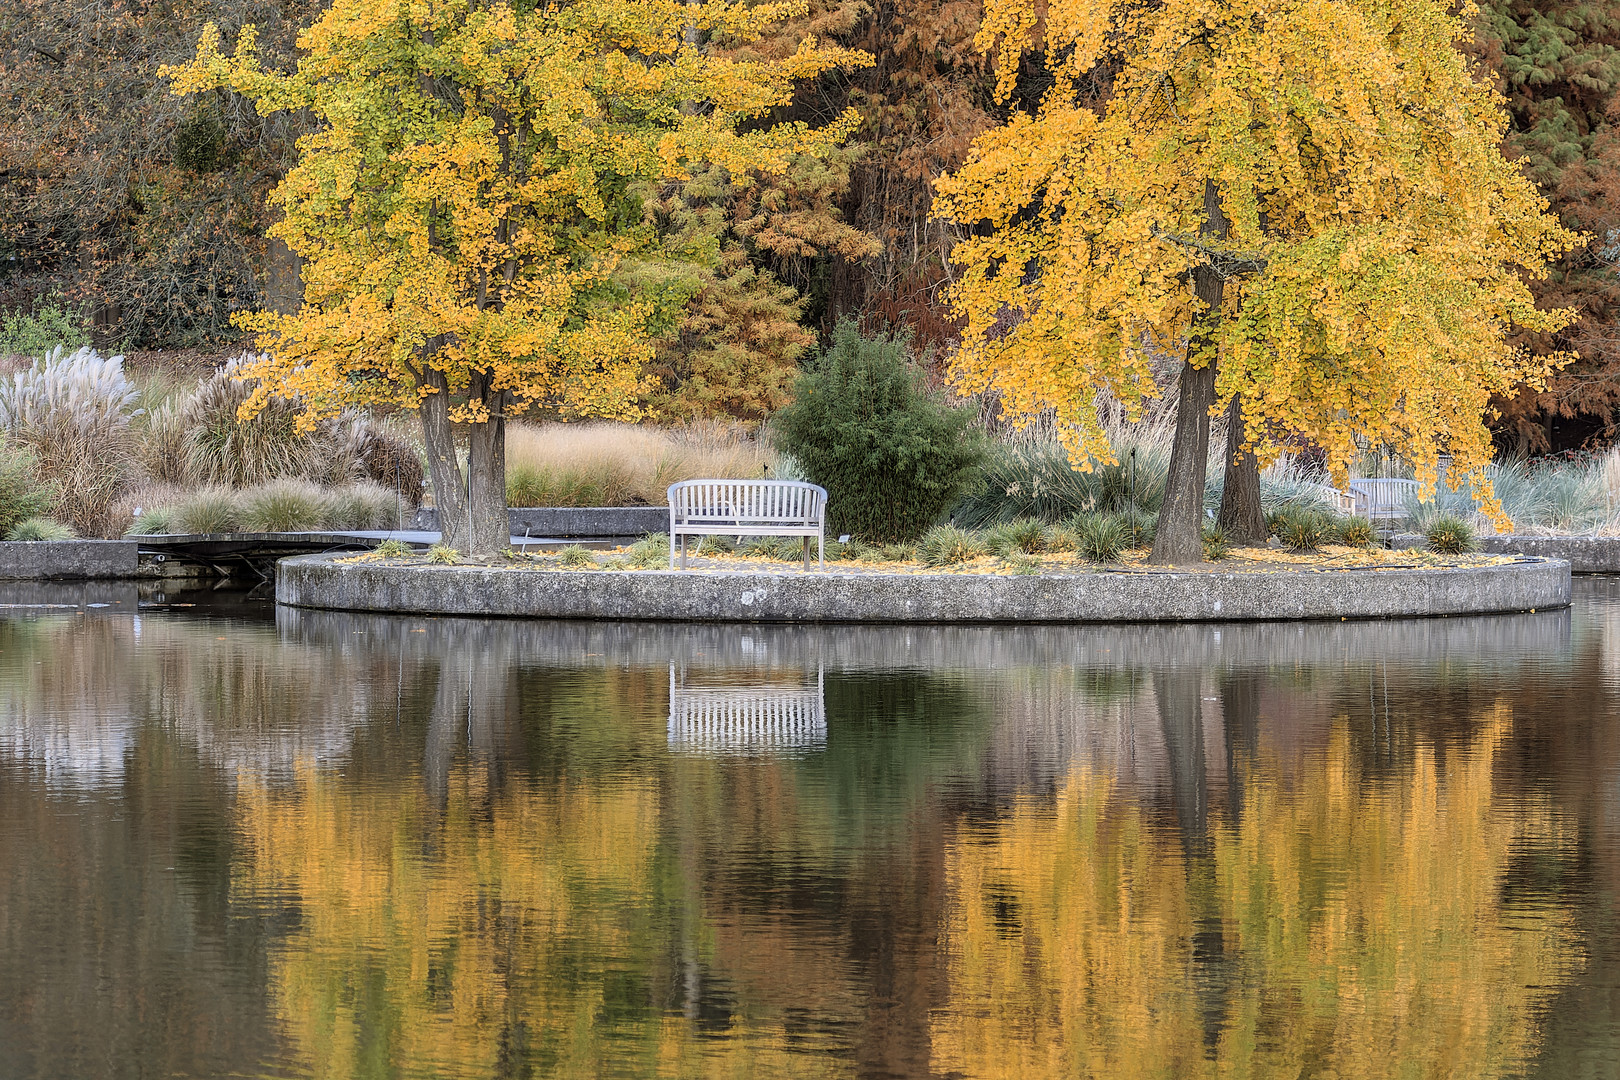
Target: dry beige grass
{"points": [[606, 464]]}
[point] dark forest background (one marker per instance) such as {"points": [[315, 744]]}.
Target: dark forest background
{"points": [[143, 213]]}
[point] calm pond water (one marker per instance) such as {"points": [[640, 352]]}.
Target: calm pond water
{"points": [[245, 842]]}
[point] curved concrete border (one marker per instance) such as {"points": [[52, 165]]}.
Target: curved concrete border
{"points": [[1585, 554], [319, 581]]}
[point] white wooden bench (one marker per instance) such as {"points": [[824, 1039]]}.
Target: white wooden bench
{"points": [[1383, 499], [1342, 502], [747, 508]]}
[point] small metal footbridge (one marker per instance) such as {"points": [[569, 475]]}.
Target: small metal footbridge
{"points": [[259, 551]]}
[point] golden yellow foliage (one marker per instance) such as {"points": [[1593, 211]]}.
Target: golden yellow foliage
{"points": [[1377, 244], [472, 190], [1360, 919]]}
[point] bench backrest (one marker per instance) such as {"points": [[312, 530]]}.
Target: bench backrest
{"points": [[1383, 496], [756, 502]]}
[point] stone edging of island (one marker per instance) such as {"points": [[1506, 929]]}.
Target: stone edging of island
{"points": [[323, 581], [1585, 554], [68, 560]]}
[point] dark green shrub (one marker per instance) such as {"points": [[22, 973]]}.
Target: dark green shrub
{"points": [[1451, 535], [893, 457], [36, 333]]}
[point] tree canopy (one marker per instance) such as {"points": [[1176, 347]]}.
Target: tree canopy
{"points": [[471, 192], [1328, 173]]}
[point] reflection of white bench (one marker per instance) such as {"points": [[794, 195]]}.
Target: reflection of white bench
{"points": [[746, 720], [1383, 499], [747, 508]]}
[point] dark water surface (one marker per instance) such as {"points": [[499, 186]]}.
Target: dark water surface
{"points": [[243, 842]]}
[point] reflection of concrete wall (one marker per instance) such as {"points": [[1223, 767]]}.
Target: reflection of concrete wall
{"points": [[1494, 640]]}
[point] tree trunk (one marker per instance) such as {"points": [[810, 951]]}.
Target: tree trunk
{"points": [[1241, 518], [491, 528], [449, 486], [1179, 536]]}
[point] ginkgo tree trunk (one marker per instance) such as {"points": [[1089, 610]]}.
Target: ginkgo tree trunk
{"points": [[471, 192], [1301, 200]]}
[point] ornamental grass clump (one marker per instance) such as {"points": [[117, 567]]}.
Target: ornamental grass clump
{"points": [[284, 505], [1060, 538], [443, 555], [1302, 528], [211, 510], [40, 528], [575, 557], [394, 549], [1102, 537], [1451, 535], [893, 456], [158, 521], [1139, 525], [362, 504], [219, 447], [1021, 563], [651, 550], [1356, 532], [1215, 543], [74, 411], [22, 493], [1037, 479], [613, 464], [947, 545], [1027, 536]]}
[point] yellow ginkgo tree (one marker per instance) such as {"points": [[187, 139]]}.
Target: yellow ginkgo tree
{"points": [[1301, 201], [471, 191]]}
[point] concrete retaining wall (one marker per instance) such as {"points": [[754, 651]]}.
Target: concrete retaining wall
{"points": [[67, 559], [566, 522], [1585, 554], [319, 581]]}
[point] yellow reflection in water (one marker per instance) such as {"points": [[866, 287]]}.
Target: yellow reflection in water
{"points": [[1345, 927], [500, 934]]}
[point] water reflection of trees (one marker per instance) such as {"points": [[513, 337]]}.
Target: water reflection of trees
{"points": [[466, 847], [1349, 928]]}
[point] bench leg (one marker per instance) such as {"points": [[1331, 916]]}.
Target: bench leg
{"points": [[683, 551], [807, 554]]}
